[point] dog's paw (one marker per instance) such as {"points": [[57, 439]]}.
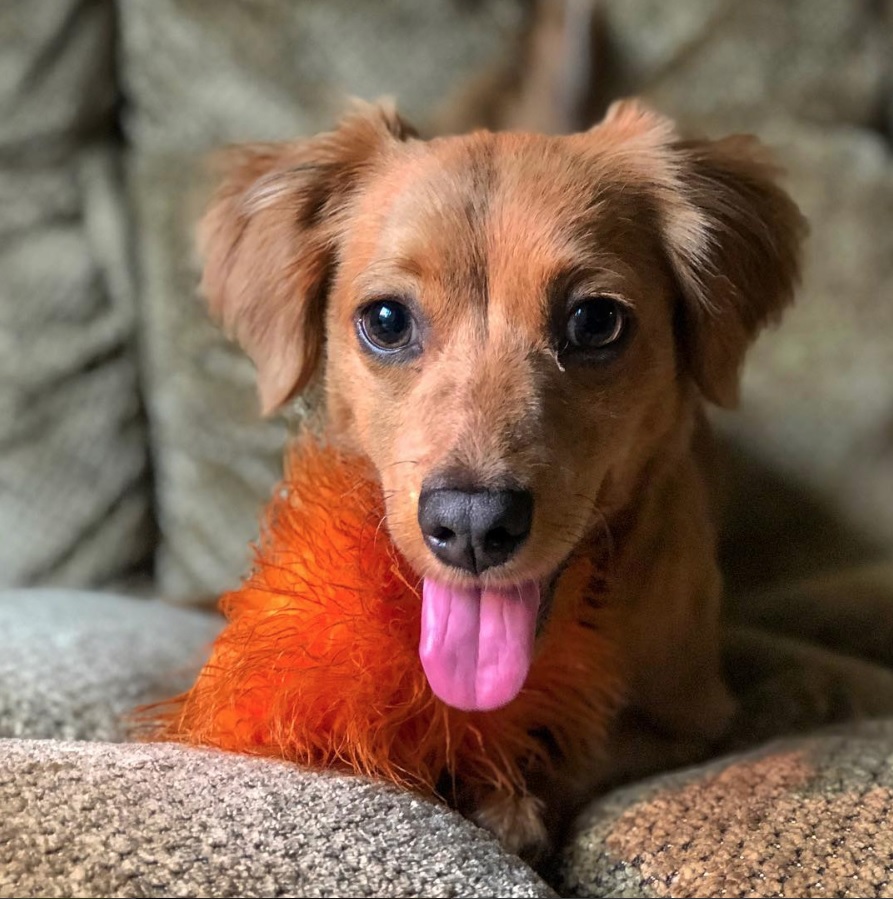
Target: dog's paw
{"points": [[517, 821]]}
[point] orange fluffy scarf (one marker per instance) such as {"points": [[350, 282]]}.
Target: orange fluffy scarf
{"points": [[319, 661]]}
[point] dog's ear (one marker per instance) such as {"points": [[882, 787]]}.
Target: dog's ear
{"points": [[732, 235], [735, 246], [269, 237]]}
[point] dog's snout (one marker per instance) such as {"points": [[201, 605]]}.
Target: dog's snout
{"points": [[475, 529]]}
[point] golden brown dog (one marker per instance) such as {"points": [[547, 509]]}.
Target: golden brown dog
{"points": [[520, 332]]}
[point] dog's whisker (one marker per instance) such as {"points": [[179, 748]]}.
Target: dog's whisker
{"points": [[400, 462], [382, 522]]}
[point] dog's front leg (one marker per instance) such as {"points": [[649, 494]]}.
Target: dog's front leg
{"points": [[517, 820]]}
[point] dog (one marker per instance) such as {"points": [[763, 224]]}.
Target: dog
{"points": [[520, 333]]}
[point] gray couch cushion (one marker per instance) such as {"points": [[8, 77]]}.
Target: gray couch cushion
{"points": [[74, 664], [75, 505], [826, 61], [99, 819]]}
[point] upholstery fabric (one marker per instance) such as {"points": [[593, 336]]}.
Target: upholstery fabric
{"points": [[74, 489]]}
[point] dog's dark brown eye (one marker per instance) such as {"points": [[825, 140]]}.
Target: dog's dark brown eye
{"points": [[595, 323], [387, 326]]}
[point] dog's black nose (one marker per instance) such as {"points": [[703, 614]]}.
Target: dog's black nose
{"points": [[475, 529]]}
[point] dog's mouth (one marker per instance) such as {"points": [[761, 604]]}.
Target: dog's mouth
{"points": [[477, 642], [479, 632]]}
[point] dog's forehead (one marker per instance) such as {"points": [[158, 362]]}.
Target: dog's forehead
{"points": [[452, 208], [486, 186]]}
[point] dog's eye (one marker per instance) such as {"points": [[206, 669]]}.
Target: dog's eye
{"points": [[595, 323], [387, 325]]}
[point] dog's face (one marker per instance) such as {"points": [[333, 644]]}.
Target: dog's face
{"points": [[514, 327], [500, 332]]}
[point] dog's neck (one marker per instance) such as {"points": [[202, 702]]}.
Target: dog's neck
{"points": [[665, 586]]}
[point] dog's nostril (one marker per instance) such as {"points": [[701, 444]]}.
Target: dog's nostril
{"points": [[442, 535], [499, 540]]}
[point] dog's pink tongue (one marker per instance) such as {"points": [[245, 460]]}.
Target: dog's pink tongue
{"points": [[477, 644]]}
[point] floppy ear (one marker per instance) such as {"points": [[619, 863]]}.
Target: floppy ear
{"points": [[732, 236], [739, 266], [268, 242]]}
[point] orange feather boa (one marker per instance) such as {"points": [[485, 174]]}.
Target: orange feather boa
{"points": [[319, 661]]}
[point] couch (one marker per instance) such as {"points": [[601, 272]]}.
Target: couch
{"points": [[133, 462]]}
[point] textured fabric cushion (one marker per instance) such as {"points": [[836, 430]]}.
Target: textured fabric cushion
{"points": [[74, 502], [786, 686], [107, 819], [199, 75], [129, 820], [824, 61], [806, 817], [73, 664], [104, 819], [94, 819]]}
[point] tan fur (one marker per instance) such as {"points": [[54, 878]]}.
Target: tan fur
{"points": [[489, 234]]}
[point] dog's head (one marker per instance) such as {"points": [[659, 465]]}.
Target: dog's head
{"points": [[514, 328]]}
